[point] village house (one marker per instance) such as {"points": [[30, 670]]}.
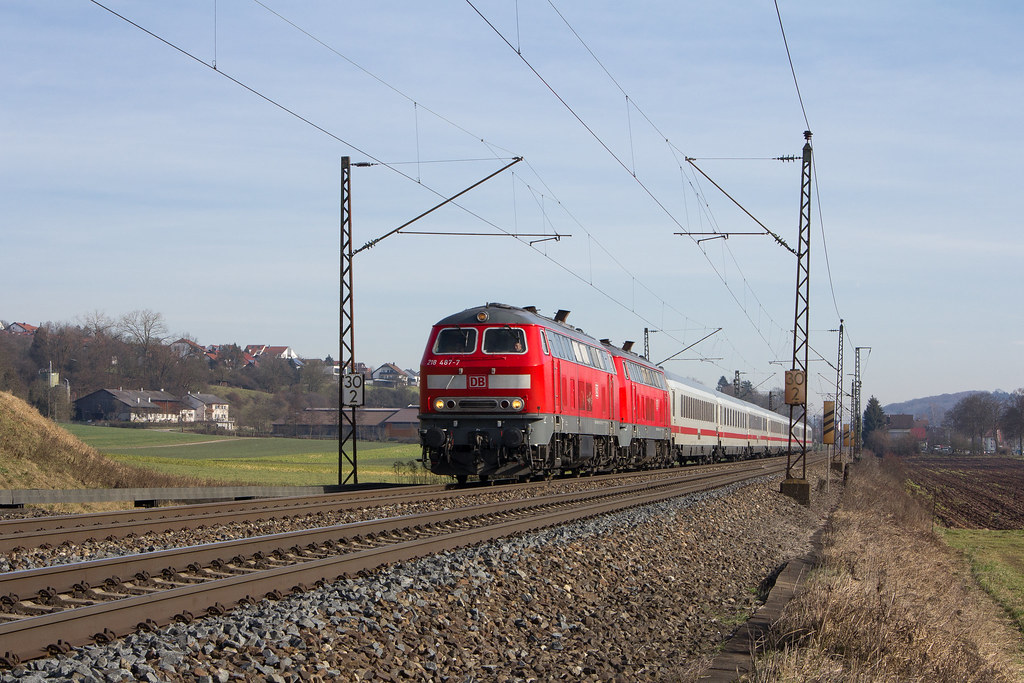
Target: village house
{"points": [[334, 369], [211, 409], [187, 347], [129, 405], [372, 424], [262, 350], [390, 375], [19, 328]]}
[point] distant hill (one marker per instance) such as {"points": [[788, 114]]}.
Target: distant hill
{"points": [[933, 408]]}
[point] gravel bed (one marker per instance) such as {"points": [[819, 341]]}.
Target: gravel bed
{"points": [[34, 558], [646, 594]]}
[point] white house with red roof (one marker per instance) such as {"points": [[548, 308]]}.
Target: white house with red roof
{"points": [[257, 350], [20, 328], [390, 375]]}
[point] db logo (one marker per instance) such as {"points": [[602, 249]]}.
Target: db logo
{"points": [[478, 381]]}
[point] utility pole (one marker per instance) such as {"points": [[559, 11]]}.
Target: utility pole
{"points": [[350, 383], [837, 446], [736, 383], [858, 433], [796, 485], [346, 335]]}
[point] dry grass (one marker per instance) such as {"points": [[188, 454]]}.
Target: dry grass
{"points": [[891, 602], [36, 453]]}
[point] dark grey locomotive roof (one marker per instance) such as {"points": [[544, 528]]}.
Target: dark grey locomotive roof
{"points": [[497, 314]]}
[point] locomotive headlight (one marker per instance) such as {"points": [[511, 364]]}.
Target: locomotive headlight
{"points": [[517, 404], [438, 404]]}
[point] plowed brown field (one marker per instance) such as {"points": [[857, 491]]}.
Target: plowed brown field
{"points": [[971, 492]]}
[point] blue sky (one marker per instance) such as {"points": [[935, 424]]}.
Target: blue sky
{"points": [[134, 176]]}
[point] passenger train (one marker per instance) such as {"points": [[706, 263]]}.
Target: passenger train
{"points": [[508, 393]]}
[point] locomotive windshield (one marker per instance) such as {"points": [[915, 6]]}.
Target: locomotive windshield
{"points": [[504, 340], [456, 340]]}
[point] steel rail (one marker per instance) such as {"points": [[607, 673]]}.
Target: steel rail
{"points": [[82, 576], [17, 525], [28, 525], [36, 531], [52, 633]]}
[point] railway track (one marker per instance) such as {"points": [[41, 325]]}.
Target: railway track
{"points": [[34, 532], [50, 610]]}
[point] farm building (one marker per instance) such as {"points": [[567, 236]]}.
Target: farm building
{"points": [[372, 424], [129, 405]]}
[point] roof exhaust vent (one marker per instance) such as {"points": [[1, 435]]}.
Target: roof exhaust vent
{"points": [[561, 316], [530, 309], [628, 346], [606, 342]]}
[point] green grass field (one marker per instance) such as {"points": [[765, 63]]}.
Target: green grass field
{"points": [[997, 560], [296, 462]]}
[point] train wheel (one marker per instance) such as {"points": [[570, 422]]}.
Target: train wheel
{"points": [[461, 479], [485, 478]]}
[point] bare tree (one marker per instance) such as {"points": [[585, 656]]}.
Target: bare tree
{"points": [[974, 416], [1012, 418], [97, 324], [55, 345], [144, 328], [313, 375]]}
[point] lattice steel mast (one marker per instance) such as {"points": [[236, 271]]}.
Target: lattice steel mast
{"points": [[857, 440], [346, 332], [837, 446], [796, 484]]}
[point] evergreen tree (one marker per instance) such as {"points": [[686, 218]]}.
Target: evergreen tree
{"points": [[874, 435], [874, 417]]}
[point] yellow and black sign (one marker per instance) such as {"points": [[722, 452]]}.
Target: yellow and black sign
{"points": [[829, 423]]}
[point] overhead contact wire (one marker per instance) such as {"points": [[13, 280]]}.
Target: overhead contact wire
{"points": [[518, 51]]}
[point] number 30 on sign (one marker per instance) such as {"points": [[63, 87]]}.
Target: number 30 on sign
{"points": [[352, 389], [796, 388]]}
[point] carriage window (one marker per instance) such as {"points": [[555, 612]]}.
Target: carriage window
{"points": [[455, 340], [555, 340], [580, 353], [504, 340], [565, 350]]}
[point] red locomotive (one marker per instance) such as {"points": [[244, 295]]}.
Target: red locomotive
{"points": [[508, 393]]}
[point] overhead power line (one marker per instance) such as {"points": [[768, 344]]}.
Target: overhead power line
{"points": [[392, 166], [628, 168], [792, 70]]}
